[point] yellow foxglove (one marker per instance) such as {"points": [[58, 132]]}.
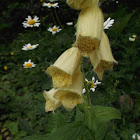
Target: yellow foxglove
{"points": [[80, 4], [102, 59], [64, 68], [89, 30], [51, 102], [72, 95]]}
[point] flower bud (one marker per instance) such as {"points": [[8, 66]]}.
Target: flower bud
{"points": [[64, 68]]}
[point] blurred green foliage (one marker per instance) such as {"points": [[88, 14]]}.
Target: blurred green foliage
{"points": [[21, 99]]}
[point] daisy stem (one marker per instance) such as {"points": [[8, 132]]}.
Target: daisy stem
{"points": [[57, 18], [53, 18]]}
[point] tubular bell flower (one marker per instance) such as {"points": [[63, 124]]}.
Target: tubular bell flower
{"points": [[51, 102], [80, 4], [31, 22], [72, 95], [64, 68], [89, 30], [102, 59]]}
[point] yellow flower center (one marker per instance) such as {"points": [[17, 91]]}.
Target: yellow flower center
{"points": [[30, 47], [31, 22], [50, 4], [91, 83], [41, 0], [54, 29], [5, 67], [12, 53], [28, 65]]}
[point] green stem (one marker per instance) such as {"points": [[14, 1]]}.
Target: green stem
{"points": [[53, 17], [86, 86], [57, 18]]}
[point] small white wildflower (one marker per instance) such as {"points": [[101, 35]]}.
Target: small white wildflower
{"points": [[131, 39], [108, 23], [136, 136], [54, 29], [28, 46], [31, 22], [69, 23], [93, 86], [49, 5], [29, 64]]}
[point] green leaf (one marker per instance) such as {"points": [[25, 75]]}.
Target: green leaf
{"points": [[24, 125], [13, 127], [106, 113], [68, 132]]}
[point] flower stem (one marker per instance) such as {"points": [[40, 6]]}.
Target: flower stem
{"points": [[86, 86], [53, 17], [57, 18]]}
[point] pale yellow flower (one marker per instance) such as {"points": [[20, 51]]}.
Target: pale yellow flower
{"points": [[102, 59], [51, 102], [89, 30], [72, 95], [64, 68], [80, 4]]}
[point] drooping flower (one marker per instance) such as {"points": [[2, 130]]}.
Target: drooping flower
{"points": [[49, 5], [89, 30], [51, 102], [31, 22], [80, 4], [64, 68], [72, 95], [136, 136], [102, 59], [69, 23], [29, 64], [54, 29], [108, 23], [28, 46], [94, 84]]}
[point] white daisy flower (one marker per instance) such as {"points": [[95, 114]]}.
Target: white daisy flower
{"points": [[54, 29], [131, 39], [49, 5], [28, 46], [136, 136], [31, 22], [108, 23], [29, 64], [93, 86], [69, 23]]}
